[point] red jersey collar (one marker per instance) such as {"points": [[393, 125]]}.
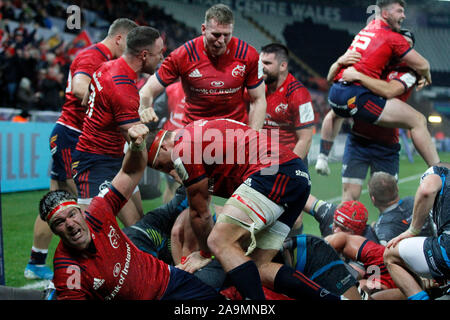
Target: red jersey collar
{"points": [[128, 69], [105, 50]]}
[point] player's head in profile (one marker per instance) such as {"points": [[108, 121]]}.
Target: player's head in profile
{"points": [[60, 210], [145, 44], [393, 12], [351, 217], [383, 189], [217, 29], [160, 144], [117, 35], [274, 58]]}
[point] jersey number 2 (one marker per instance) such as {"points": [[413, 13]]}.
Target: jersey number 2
{"points": [[362, 40]]}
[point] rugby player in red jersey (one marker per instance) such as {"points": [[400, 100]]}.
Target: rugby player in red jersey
{"points": [[215, 68], [176, 102], [64, 136], [266, 185], [112, 109], [379, 43], [376, 277], [96, 260], [289, 107], [368, 145]]}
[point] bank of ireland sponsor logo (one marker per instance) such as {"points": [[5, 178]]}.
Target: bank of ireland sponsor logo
{"points": [[120, 274], [116, 269], [217, 84]]}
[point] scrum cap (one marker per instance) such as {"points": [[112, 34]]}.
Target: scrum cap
{"points": [[352, 215]]}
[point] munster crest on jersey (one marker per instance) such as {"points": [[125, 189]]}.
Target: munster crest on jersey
{"points": [[238, 71]]}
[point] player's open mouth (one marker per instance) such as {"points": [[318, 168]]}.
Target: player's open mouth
{"points": [[76, 235]]}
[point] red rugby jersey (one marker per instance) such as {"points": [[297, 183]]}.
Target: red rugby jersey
{"points": [[116, 269], [114, 101], [384, 135], [86, 62], [289, 108], [214, 87], [371, 254], [176, 101], [226, 152], [378, 44]]}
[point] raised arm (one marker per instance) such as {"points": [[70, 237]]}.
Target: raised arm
{"points": [[421, 65], [134, 162], [151, 89]]}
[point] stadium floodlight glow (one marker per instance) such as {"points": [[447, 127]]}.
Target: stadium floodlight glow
{"points": [[434, 118]]}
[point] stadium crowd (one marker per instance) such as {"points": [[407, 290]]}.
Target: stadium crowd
{"points": [[252, 247]]}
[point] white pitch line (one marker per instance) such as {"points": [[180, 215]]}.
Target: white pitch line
{"points": [[364, 191], [37, 285]]}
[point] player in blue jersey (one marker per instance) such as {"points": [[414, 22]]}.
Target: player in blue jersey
{"points": [[409, 255], [395, 214]]}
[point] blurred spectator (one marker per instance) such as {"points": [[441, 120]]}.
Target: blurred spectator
{"points": [[7, 10], [25, 97], [51, 90], [10, 70], [24, 116]]}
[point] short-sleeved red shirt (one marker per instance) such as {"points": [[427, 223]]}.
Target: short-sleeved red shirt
{"points": [[214, 87], [113, 267], [86, 62], [378, 45], [114, 101], [226, 152], [289, 108]]}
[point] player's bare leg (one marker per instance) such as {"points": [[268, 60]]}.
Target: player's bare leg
{"points": [[397, 114], [331, 126], [225, 242], [405, 281], [351, 191]]}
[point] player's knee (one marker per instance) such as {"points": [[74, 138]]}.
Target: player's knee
{"points": [[176, 234], [217, 240], [390, 256], [214, 243], [419, 120]]}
